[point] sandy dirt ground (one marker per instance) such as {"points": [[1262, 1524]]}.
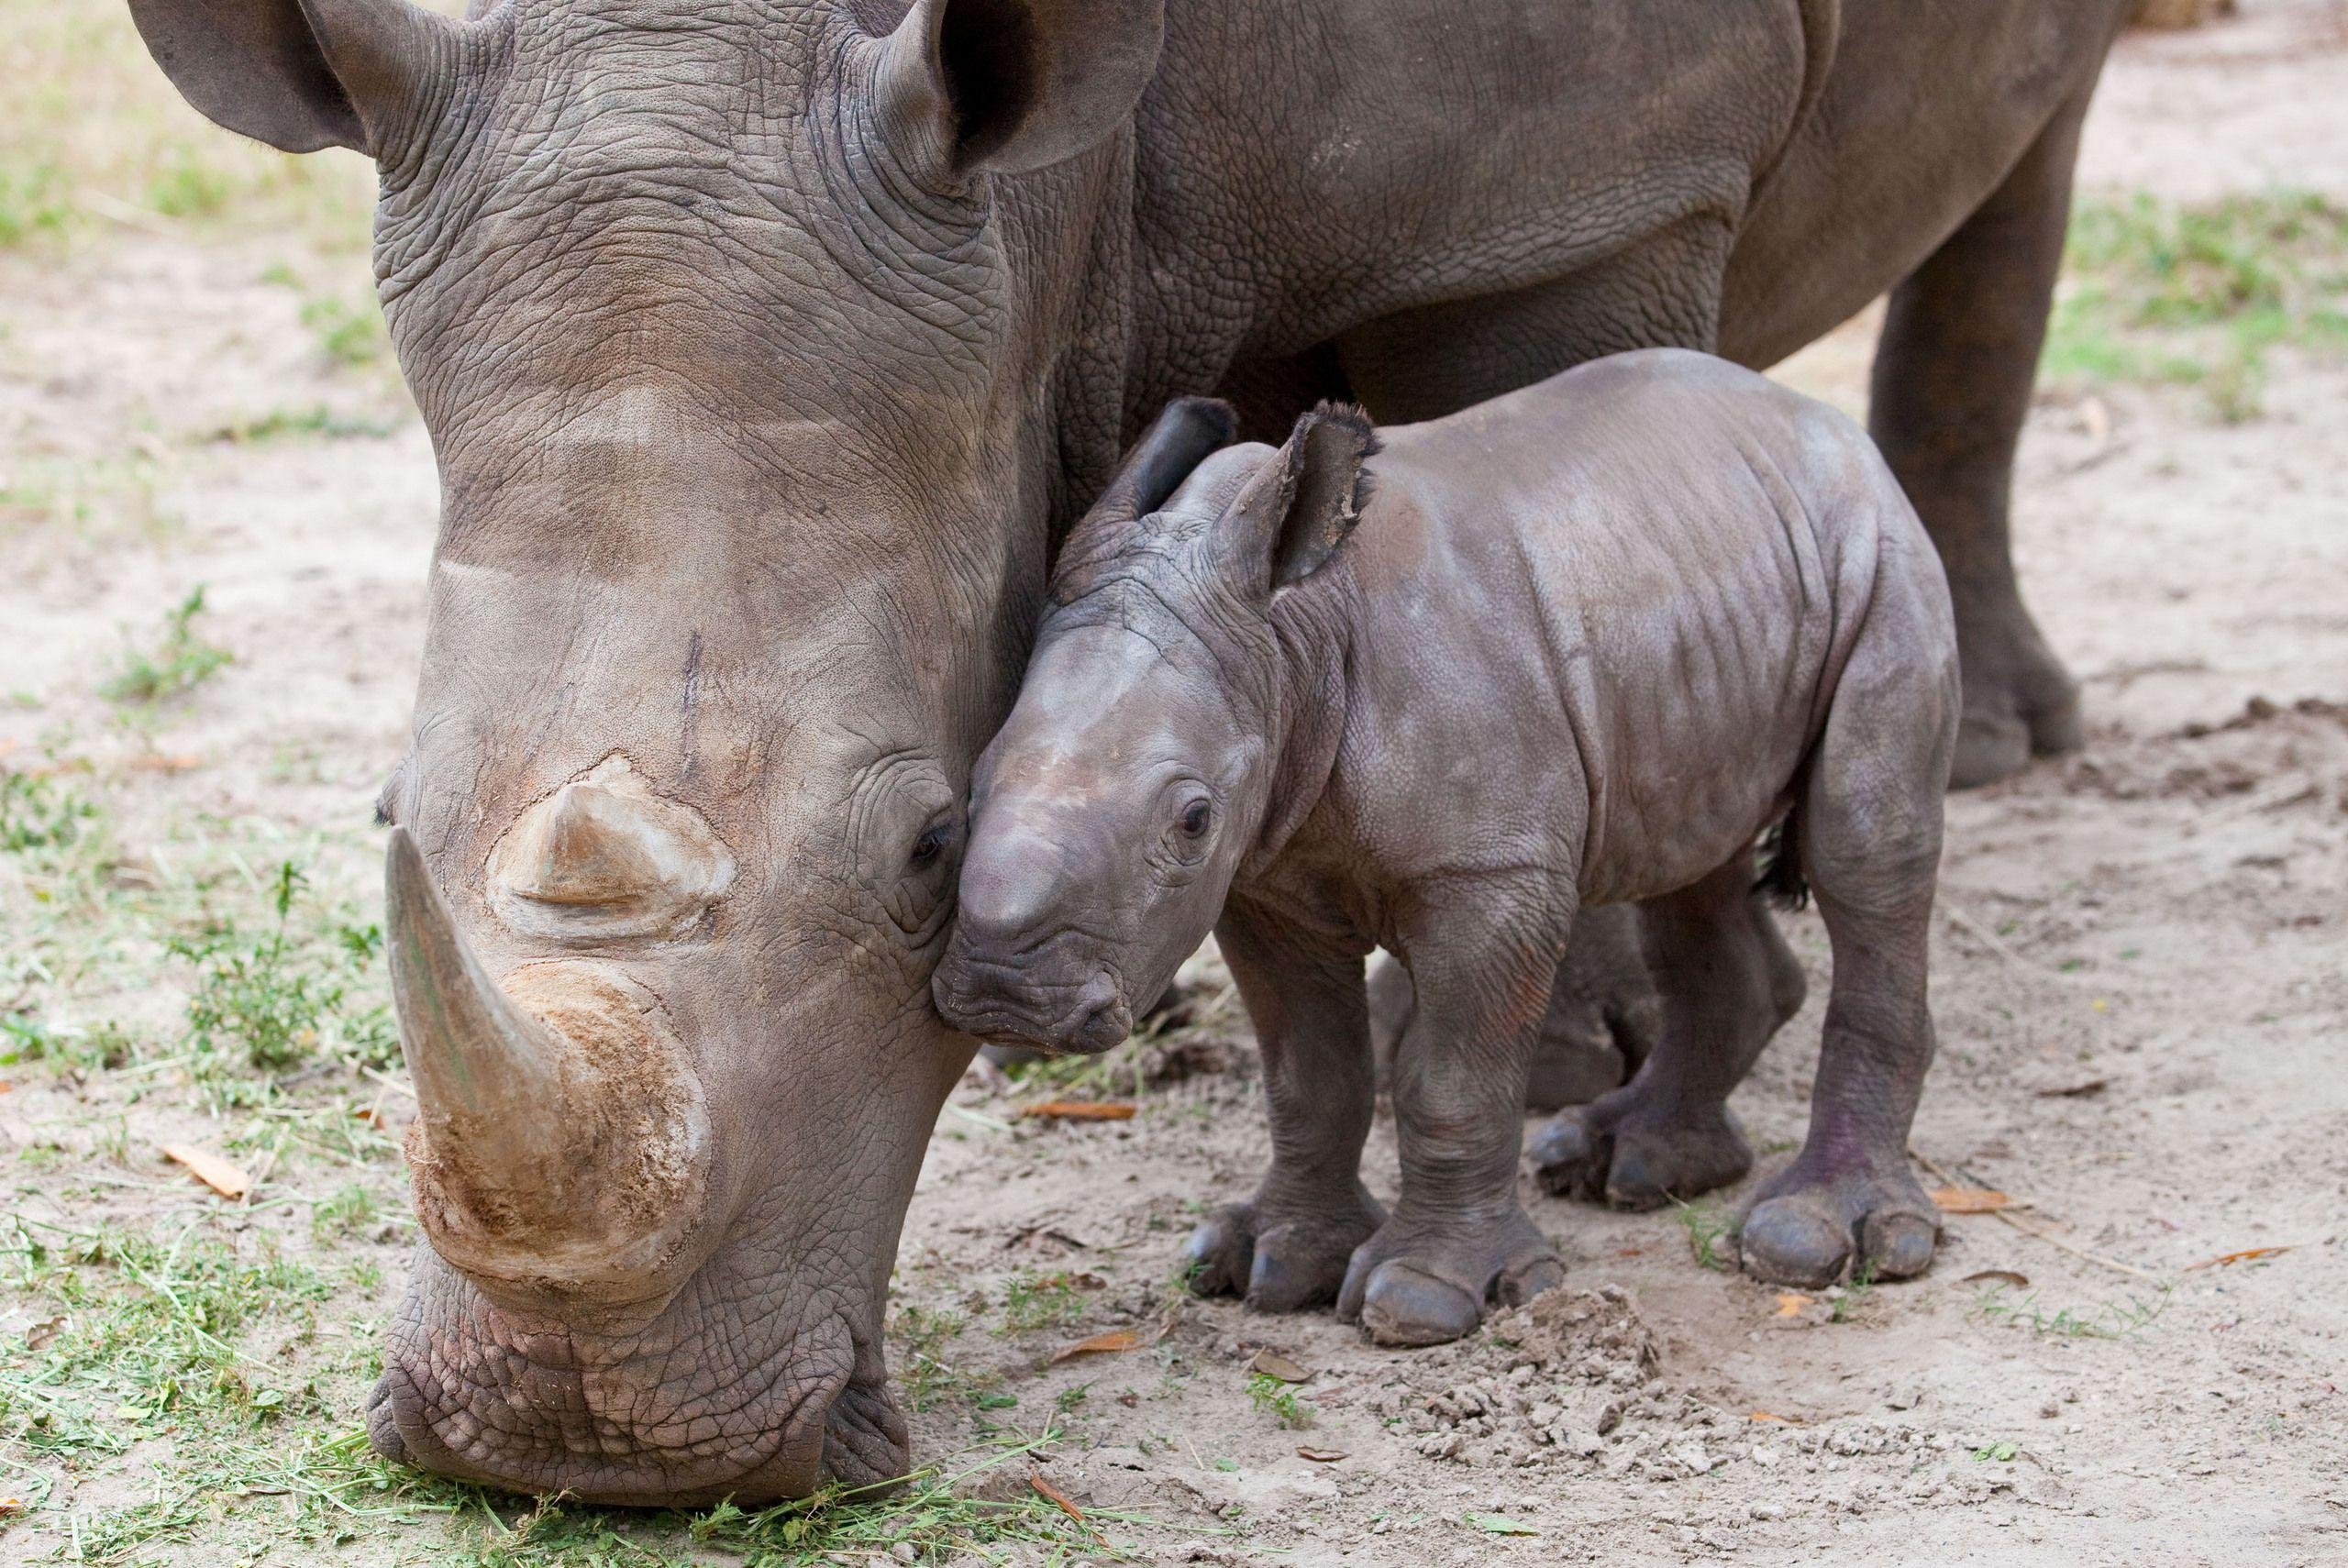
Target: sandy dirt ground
{"points": [[2141, 985]]}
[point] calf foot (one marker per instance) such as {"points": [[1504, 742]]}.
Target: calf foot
{"points": [[1809, 1225], [1429, 1282], [1281, 1258], [1630, 1152]]}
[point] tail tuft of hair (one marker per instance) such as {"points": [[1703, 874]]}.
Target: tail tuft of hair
{"points": [[1778, 878]]}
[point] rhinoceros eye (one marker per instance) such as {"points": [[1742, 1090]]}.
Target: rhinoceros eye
{"points": [[1196, 817], [932, 845]]}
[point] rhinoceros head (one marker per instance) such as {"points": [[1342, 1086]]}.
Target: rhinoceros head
{"points": [[743, 330]]}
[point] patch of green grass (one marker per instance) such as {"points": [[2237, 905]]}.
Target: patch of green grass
{"points": [[139, 1333], [2104, 1320], [1031, 1302], [349, 1209], [1272, 1397], [34, 202], [280, 994], [293, 423], [923, 1373], [349, 335], [24, 1039], [40, 813], [2198, 295], [179, 663], [1708, 1225], [1844, 1301], [97, 498], [94, 138]]}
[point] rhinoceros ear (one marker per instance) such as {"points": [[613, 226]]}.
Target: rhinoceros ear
{"points": [[1290, 519], [1011, 85], [298, 74]]}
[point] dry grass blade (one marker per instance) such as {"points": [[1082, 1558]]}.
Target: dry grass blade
{"points": [[1054, 1496], [1969, 1200], [221, 1175], [1116, 1340], [1082, 1110], [2247, 1254], [2035, 1231]]}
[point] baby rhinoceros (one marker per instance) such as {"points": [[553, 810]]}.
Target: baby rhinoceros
{"points": [[1579, 645]]}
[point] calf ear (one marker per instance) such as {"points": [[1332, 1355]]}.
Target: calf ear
{"points": [[1290, 518], [298, 74], [1188, 431], [1011, 86]]}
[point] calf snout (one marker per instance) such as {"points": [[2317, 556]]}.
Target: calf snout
{"points": [[1052, 997], [1023, 967]]}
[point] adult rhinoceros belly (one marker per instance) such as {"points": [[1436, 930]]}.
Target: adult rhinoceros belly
{"points": [[1927, 107]]}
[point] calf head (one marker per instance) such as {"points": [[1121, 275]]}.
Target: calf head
{"points": [[742, 330], [1122, 796]]}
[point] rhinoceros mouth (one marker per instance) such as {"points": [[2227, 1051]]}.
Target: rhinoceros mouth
{"points": [[524, 1406]]}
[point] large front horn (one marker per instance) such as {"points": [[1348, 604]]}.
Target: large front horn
{"points": [[560, 1140]]}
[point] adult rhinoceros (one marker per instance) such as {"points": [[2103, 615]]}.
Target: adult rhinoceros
{"points": [[766, 347]]}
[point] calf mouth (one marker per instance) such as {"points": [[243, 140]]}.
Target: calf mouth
{"points": [[1004, 1004]]}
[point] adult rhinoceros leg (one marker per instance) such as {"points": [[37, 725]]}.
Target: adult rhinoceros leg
{"points": [[1953, 378], [1603, 1015]]}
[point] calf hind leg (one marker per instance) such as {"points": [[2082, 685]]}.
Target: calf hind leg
{"points": [[1727, 984], [1870, 841]]}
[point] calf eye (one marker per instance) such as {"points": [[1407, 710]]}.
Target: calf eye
{"points": [[1195, 818]]}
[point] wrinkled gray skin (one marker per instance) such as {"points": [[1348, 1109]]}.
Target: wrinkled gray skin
{"points": [[1580, 646], [768, 346]]}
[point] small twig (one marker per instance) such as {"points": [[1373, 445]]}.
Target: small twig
{"points": [[1998, 945], [2053, 1241], [396, 1086]]}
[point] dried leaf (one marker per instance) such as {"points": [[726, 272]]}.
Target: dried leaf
{"points": [[1271, 1363], [1320, 1455], [1100, 1344], [1998, 1276], [39, 1336], [1054, 1496], [2247, 1254], [1969, 1200], [1500, 1524], [11, 1507], [1082, 1109], [155, 762], [2077, 1091], [228, 1180], [1772, 1416], [1791, 1302]]}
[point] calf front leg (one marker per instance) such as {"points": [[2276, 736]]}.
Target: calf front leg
{"points": [[1287, 1248], [1481, 966]]}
